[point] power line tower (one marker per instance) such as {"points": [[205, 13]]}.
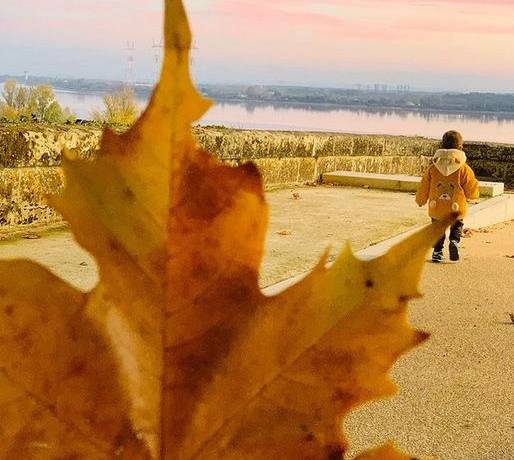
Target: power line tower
{"points": [[192, 55], [131, 63], [157, 47]]}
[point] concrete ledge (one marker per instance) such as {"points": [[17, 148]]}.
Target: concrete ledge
{"points": [[491, 212], [400, 183], [485, 214]]}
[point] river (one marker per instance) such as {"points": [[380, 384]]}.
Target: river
{"points": [[312, 117]]}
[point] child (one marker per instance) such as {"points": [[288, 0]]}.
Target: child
{"points": [[447, 184]]}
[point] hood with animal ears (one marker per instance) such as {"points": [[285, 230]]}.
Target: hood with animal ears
{"points": [[447, 161]]}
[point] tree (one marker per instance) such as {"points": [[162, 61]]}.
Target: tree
{"points": [[45, 106], [120, 108], [10, 92], [16, 103], [20, 102]]}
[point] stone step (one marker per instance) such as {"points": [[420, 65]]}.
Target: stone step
{"points": [[396, 182]]}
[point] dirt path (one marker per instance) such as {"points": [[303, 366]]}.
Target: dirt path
{"points": [[457, 390]]}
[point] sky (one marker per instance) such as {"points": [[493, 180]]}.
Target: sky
{"points": [[431, 44]]}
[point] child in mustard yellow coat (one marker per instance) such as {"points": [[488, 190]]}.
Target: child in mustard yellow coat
{"points": [[447, 185]]}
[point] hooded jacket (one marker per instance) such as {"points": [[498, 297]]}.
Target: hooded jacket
{"points": [[447, 185]]}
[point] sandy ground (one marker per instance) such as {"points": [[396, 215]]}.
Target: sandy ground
{"points": [[299, 232], [457, 391]]}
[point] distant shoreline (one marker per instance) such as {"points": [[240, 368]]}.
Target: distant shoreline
{"points": [[365, 108], [298, 104], [479, 104]]}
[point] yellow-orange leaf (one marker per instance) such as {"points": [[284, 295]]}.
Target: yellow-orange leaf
{"points": [[59, 382], [177, 354]]}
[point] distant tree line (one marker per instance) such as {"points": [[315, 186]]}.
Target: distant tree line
{"points": [[82, 85], [352, 98], [408, 100], [19, 103], [32, 103]]}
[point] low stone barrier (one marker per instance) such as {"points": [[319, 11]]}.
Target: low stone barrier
{"points": [[30, 156], [317, 153], [396, 182], [23, 193]]}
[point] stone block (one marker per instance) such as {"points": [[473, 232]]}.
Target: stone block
{"points": [[36, 145], [286, 170], [360, 146], [491, 212], [23, 193], [343, 145], [375, 146], [402, 183]]}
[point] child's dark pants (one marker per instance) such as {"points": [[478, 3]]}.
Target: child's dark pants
{"points": [[455, 235]]}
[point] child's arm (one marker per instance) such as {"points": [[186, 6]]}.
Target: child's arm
{"points": [[424, 189], [470, 184]]}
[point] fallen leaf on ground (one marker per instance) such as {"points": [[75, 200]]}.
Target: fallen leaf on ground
{"points": [[284, 232], [177, 354], [467, 233], [31, 236]]}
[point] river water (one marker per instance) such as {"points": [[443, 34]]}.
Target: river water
{"points": [[313, 117]]}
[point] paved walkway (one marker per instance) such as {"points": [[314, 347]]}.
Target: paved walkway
{"points": [[456, 398], [300, 230]]}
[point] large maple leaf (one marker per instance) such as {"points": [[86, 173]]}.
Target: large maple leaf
{"points": [[177, 354]]}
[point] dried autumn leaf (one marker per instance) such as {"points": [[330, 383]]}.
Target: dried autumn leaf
{"points": [[177, 354]]}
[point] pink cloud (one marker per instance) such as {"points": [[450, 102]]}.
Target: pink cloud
{"points": [[446, 26], [272, 20], [360, 34], [334, 35]]}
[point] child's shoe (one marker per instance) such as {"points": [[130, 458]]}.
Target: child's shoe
{"points": [[437, 256], [454, 251]]}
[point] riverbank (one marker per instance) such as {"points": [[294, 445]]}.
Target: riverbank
{"points": [[323, 106]]}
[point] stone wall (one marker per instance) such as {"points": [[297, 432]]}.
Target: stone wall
{"points": [[30, 156], [289, 157], [29, 170]]}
